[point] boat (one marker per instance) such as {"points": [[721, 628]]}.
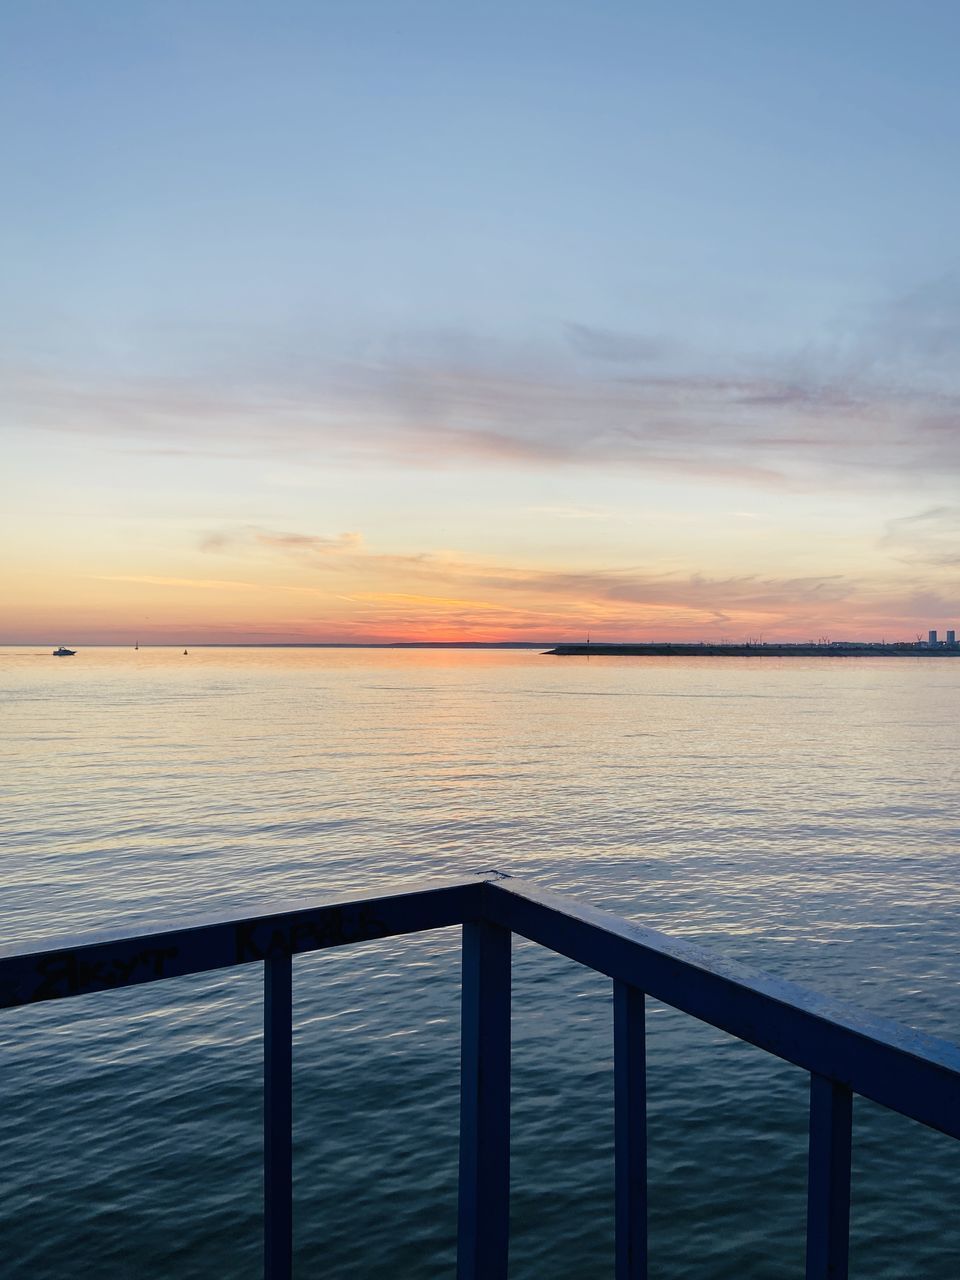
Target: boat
{"points": [[63, 653]]}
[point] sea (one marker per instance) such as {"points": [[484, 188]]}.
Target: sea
{"points": [[799, 815]]}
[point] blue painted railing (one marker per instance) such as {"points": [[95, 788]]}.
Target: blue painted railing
{"points": [[845, 1051]]}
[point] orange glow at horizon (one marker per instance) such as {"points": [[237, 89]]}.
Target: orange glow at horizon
{"points": [[365, 599], [486, 555]]}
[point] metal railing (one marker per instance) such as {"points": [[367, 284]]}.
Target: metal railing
{"points": [[845, 1051]]}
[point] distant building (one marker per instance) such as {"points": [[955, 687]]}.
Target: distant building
{"points": [[932, 639], [951, 637]]}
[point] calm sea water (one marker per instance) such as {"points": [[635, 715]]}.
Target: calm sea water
{"points": [[800, 815]]}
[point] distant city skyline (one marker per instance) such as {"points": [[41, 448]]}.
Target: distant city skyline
{"points": [[411, 321]]}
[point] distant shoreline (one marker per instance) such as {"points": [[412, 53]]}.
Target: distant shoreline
{"points": [[840, 650]]}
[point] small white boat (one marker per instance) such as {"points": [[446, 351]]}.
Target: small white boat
{"points": [[63, 653]]}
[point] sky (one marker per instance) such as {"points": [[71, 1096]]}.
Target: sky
{"points": [[390, 320]]}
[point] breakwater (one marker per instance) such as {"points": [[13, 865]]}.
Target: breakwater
{"points": [[840, 649]]}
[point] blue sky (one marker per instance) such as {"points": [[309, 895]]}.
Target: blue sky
{"points": [[597, 258], [730, 174]]}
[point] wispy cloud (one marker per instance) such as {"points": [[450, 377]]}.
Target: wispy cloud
{"points": [[419, 600], [626, 597], [571, 513], [615, 346], [199, 584], [830, 417], [316, 545], [916, 334], [930, 537]]}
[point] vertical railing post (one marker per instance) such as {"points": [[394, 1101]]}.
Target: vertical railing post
{"points": [[828, 1187], [483, 1229], [278, 1117], [630, 1122]]}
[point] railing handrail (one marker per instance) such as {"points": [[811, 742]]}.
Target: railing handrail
{"points": [[821, 1034], [62, 967], [754, 1006], [845, 1050]]}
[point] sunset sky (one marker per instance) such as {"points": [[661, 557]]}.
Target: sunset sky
{"points": [[337, 319]]}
